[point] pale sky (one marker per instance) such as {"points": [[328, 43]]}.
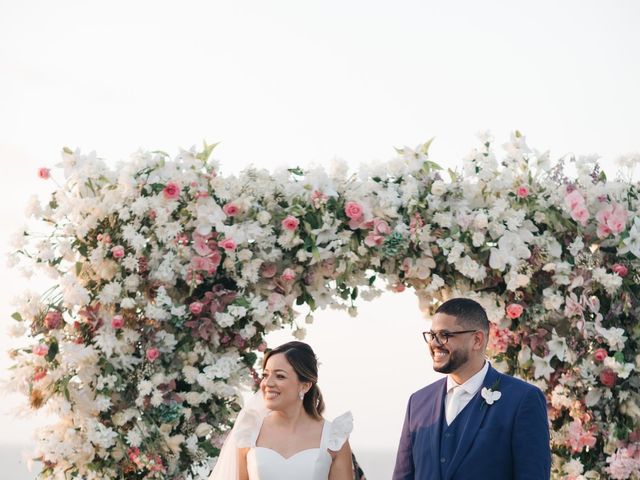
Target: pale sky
{"points": [[285, 83]]}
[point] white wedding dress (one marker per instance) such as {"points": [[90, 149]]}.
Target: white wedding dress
{"points": [[310, 464], [266, 464]]}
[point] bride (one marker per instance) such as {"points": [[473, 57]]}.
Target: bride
{"points": [[280, 434]]}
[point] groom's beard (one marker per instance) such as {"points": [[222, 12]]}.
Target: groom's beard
{"points": [[456, 359]]}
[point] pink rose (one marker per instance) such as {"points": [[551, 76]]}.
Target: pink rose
{"points": [[117, 251], [522, 191], [196, 308], [381, 227], [44, 173], [398, 287], [268, 270], [608, 377], [353, 210], [231, 209], [41, 349], [288, 275], [514, 310], [290, 223], [171, 191], [228, 244], [117, 322], [153, 354], [600, 354], [620, 269], [262, 347], [52, 319]]}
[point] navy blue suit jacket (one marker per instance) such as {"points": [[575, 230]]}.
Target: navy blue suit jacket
{"points": [[506, 440]]}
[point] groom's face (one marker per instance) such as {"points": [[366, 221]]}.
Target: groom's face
{"points": [[452, 355]]}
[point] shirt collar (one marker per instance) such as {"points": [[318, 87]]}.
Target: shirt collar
{"points": [[472, 385]]}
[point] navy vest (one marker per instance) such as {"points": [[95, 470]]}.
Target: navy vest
{"points": [[450, 436]]}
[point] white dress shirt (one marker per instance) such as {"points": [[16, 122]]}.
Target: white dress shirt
{"points": [[457, 399]]}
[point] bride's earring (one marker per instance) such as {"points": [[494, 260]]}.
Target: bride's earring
{"points": [[301, 395]]}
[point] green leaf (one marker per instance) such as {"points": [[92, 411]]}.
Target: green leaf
{"points": [[424, 148], [619, 356], [78, 268], [67, 150], [17, 316], [453, 175], [53, 351], [206, 151], [296, 171]]}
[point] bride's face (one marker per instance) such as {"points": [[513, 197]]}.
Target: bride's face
{"points": [[280, 384]]}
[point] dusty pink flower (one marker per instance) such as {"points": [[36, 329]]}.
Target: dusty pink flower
{"points": [[578, 438], [318, 198], [196, 307], [373, 240], [522, 191], [600, 354], [611, 219], [620, 269], [39, 373], [153, 354], [171, 191], [290, 223], [52, 319], [268, 270], [44, 173], [208, 264], [398, 287], [608, 377], [288, 275], [117, 251], [262, 347], [574, 200], [231, 209], [201, 244], [353, 210], [580, 214], [41, 349], [514, 310], [228, 244], [117, 321]]}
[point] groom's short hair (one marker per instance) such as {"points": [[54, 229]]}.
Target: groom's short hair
{"points": [[468, 313]]}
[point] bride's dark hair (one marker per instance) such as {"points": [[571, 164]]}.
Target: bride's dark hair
{"points": [[304, 362]]}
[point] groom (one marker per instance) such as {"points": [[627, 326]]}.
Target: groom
{"points": [[476, 423]]}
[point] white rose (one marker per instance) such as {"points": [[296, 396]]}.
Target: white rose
{"points": [[438, 188], [264, 217]]}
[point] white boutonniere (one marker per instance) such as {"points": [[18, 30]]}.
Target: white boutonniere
{"points": [[490, 395]]}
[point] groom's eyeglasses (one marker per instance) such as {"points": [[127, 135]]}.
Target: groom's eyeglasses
{"points": [[442, 337]]}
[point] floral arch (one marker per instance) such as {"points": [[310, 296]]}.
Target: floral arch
{"points": [[169, 274]]}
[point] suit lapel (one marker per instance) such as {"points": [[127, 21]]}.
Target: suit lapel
{"points": [[478, 410], [437, 414]]}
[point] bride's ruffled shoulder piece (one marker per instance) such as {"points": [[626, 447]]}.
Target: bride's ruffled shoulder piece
{"points": [[243, 435], [339, 431]]}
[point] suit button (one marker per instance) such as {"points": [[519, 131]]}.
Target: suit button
{"points": [[442, 460]]}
